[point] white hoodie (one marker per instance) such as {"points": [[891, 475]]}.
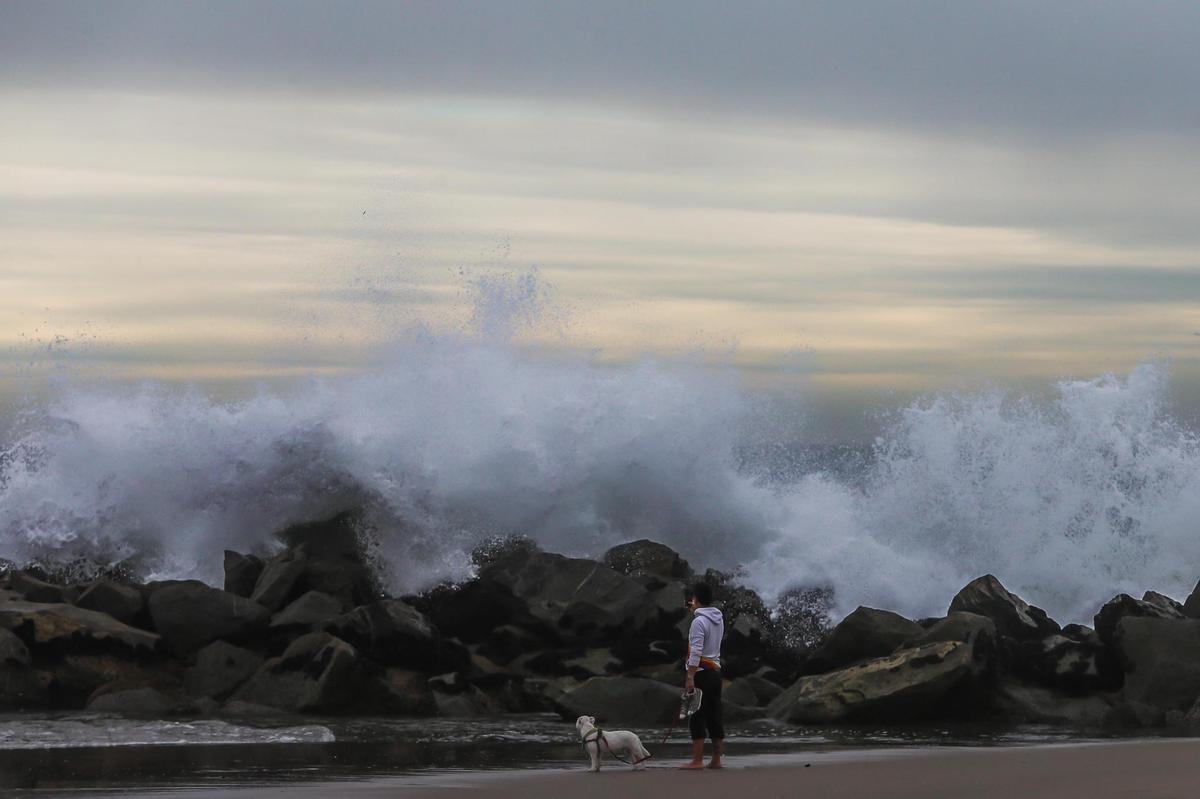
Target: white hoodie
{"points": [[704, 637]]}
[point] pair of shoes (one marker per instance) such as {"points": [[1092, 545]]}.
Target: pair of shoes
{"points": [[689, 703]]}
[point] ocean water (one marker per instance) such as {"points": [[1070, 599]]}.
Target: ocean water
{"points": [[59, 754], [1069, 495]]}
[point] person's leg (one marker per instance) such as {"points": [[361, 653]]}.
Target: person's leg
{"points": [[713, 720]]}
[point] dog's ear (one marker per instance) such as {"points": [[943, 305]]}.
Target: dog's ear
{"points": [[592, 719]]}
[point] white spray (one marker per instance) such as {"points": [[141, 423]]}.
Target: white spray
{"points": [[458, 438]]}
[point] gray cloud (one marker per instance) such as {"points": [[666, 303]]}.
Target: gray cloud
{"points": [[1020, 65]]}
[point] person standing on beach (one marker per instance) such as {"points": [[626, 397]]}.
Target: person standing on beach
{"points": [[704, 672]]}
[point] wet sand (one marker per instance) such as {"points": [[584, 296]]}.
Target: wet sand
{"points": [[1163, 769]]}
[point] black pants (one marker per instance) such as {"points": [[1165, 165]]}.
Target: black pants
{"points": [[706, 723]]}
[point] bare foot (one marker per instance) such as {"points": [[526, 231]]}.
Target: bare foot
{"points": [[715, 764], [692, 766]]}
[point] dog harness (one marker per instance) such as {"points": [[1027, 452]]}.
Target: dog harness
{"points": [[600, 739]]}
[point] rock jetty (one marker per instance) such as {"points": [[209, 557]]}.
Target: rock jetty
{"points": [[307, 630]]}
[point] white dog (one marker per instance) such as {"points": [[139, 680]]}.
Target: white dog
{"points": [[622, 744]]}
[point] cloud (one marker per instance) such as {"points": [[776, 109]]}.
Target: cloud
{"points": [[1071, 65]]}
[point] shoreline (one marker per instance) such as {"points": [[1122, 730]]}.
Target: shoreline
{"points": [[1163, 768]]}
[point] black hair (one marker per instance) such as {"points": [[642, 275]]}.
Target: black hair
{"points": [[703, 593]]}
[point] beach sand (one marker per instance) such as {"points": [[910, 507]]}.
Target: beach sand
{"points": [[1162, 769]]}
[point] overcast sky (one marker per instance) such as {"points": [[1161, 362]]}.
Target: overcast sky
{"points": [[913, 194]]}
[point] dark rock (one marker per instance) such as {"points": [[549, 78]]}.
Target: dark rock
{"points": [[473, 611], [277, 585], [925, 682], [552, 583], [733, 713], [13, 651], [337, 564], [1075, 661], [395, 633], [865, 633], [1191, 606], [621, 701], [647, 557], [57, 628], [1024, 703], [1163, 601], [139, 702], [958, 626], [1124, 606], [546, 663], [220, 668], [402, 692], [669, 673], [751, 691], [122, 602], [307, 612], [1161, 658], [593, 663], [35, 590], [318, 673], [471, 703], [236, 708], [22, 687], [508, 641], [190, 614], [242, 573], [81, 677], [483, 673], [1013, 616]]}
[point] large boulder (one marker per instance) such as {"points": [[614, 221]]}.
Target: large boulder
{"points": [[241, 572], [750, 691], [337, 563], [190, 614], [1161, 658], [620, 701], [473, 611], [20, 685], [1124, 606], [1074, 661], [959, 626], [317, 673], [80, 677], [13, 651], [552, 584], [1021, 702], [928, 681], [865, 633], [122, 602], [1191, 606], [508, 642], [647, 557], [1164, 601], [136, 702], [1014, 617], [34, 590], [395, 633], [220, 668], [278, 583], [401, 691], [58, 628], [472, 702], [308, 612]]}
